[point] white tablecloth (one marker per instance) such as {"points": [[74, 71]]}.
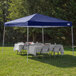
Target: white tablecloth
{"points": [[40, 47], [18, 46], [34, 49]]}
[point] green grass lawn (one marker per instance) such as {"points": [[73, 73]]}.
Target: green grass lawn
{"points": [[12, 64]]}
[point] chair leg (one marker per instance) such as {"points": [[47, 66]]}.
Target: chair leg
{"points": [[50, 54], [54, 53], [21, 52], [58, 53], [17, 52]]}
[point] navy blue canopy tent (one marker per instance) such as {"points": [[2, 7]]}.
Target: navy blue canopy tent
{"points": [[38, 21]]}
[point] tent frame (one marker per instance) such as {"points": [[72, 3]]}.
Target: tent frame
{"points": [[72, 39], [27, 42], [3, 38], [42, 39]]}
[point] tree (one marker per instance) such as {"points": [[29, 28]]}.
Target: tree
{"points": [[3, 15], [63, 9]]}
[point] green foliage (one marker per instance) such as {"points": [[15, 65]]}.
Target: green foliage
{"points": [[3, 15], [18, 8], [62, 9]]}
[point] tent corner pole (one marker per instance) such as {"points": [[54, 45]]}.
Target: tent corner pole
{"points": [[72, 40], [27, 42], [3, 39]]}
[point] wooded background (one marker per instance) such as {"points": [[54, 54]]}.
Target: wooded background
{"points": [[13, 9]]}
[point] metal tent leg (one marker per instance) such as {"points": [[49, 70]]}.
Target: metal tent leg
{"points": [[72, 40], [3, 38], [27, 42]]}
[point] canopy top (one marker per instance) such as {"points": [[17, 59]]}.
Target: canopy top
{"points": [[38, 20]]}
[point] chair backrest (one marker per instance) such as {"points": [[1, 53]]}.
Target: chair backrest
{"points": [[21, 47], [57, 48], [51, 47], [45, 48]]}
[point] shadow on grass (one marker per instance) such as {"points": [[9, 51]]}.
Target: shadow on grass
{"points": [[58, 61]]}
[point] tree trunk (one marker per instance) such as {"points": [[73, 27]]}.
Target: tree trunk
{"points": [[34, 37]]}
